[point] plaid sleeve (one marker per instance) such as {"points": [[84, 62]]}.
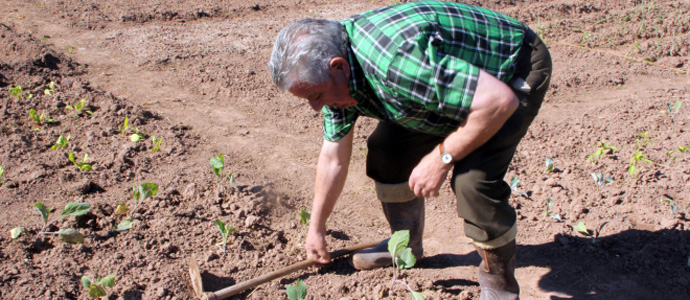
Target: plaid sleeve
{"points": [[443, 83], [337, 122]]}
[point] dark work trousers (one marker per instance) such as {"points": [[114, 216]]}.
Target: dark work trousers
{"points": [[478, 179]]}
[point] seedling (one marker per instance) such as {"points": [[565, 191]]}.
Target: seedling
{"points": [[603, 149], [82, 165], [402, 259], [61, 142], [643, 140], [681, 149], [582, 229], [97, 288], [71, 209], [155, 144], [600, 180], [224, 230], [304, 217], [634, 160], [38, 119], [672, 205], [549, 164], [218, 164], [78, 107], [50, 90], [18, 93], [514, 182], [140, 193], [125, 128], [2, 171], [297, 291], [673, 109], [549, 212], [15, 232]]}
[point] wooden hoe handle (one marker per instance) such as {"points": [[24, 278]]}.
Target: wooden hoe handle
{"points": [[245, 285]]}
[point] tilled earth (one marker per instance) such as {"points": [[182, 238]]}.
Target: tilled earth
{"points": [[194, 74]]}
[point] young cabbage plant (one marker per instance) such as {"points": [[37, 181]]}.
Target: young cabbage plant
{"points": [[69, 235], [672, 205], [549, 212], [218, 164], [603, 149], [139, 193], [19, 93], [681, 150], [155, 144], [61, 142], [305, 217], [126, 128], [402, 259], [79, 107], [514, 182], [549, 164], [2, 171], [582, 229], [39, 119], [600, 180], [97, 287], [643, 140], [673, 109], [82, 165], [296, 291], [224, 231], [634, 161], [50, 91]]}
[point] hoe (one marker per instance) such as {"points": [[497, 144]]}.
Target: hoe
{"points": [[245, 285]]}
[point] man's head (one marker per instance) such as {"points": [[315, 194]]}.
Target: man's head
{"points": [[309, 61]]}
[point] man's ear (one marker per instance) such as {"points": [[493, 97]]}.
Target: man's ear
{"points": [[339, 64]]}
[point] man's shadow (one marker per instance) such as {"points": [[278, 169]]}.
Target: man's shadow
{"points": [[630, 265]]}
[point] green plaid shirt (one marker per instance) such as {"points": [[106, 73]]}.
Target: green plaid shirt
{"points": [[417, 64]]}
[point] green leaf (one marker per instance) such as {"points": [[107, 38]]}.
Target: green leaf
{"points": [[221, 227], [581, 228], [297, 291], [71, 157], [304, 216], [124, 225], [71, 236], [45, 212], [121, 209], [15, 232], [75, 209], [86, 281], [549, 164], [398, 242], [86, 167], [406, 259], [136, 137], [514, 183], [416, 295], [217, 163], [96, 291], [147, 190], [232, 181], [32, 113], [108, 281]]}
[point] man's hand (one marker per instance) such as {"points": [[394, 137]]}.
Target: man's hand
{"points": [[427, 177], [316, 247]]}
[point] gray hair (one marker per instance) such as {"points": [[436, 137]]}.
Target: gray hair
{"points": [[303, 51]]}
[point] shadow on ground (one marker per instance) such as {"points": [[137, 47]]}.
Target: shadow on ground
{"points": [[630, 265]]}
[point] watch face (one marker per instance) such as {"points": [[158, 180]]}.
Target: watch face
{"points": [[446, 158]]}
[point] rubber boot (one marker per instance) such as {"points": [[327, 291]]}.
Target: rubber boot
{"points": [[401, 216], [497, 273]]}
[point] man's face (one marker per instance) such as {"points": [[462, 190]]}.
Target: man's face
{"points": [[335, 92]]}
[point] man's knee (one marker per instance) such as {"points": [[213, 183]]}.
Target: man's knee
{"points": [[394, 193]]}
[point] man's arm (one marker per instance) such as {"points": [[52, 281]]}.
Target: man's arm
{"points": [[331, 172], [494, 102]]}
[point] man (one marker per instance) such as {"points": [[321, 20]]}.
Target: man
{"points": [[454, 86]]}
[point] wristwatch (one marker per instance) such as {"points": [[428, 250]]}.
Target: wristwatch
{"points": [[446, 158]]}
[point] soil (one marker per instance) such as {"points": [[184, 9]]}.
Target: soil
{"points": [[194, 73]]}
